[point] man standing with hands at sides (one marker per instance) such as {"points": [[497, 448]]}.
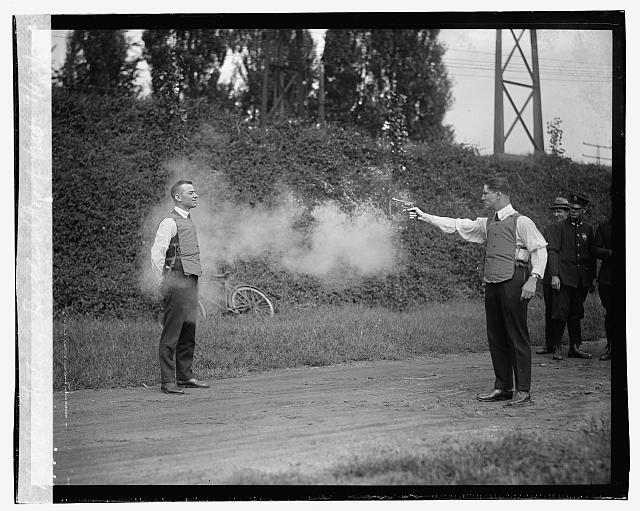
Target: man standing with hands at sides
{"points": [[513, 243], [175, 260], [572, 268], [560, 212]]}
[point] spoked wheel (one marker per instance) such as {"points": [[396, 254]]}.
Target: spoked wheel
{"points": [[202, 314], [250, 300]]}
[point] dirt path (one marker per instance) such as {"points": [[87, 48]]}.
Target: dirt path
{"points": [[305, 419]]}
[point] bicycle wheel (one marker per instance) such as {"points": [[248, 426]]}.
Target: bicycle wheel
{"points": [[247, 299], [202, 314]]}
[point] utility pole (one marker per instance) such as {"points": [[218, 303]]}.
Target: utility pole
{"points": [[498, 116], [501, 90], [597, 155]]}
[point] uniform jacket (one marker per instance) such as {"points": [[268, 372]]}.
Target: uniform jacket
{"points": [[570, 253], [547, 274], [603, 250]]}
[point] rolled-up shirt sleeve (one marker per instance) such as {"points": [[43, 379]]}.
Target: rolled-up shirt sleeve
{"points": [[474, 231], [528, 234], [166, 230]]}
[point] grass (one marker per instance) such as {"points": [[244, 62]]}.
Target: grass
{"points": [[522, 457], [94, 353]]}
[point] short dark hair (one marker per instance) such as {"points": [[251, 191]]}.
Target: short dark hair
{"points": [[498, 184], [176, 186]]}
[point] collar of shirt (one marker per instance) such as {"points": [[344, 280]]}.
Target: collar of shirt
{"points": [[181, 212], [576, 223], [505, 212]]}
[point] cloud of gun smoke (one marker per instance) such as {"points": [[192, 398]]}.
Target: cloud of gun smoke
{"points": [[359, 244], [334, 245]]}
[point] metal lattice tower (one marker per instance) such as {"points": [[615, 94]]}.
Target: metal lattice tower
{"points": [[502, 90]]}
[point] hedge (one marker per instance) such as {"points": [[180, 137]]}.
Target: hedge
{"points": [[115, 158]]}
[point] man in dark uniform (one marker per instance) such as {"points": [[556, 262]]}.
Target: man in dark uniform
{"points": [[175, 260], [572, 268], [560, 211], [604, 250]]}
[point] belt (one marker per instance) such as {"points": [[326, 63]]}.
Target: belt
{"points": [[181, 272]]}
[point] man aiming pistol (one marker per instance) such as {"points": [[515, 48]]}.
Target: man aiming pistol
{"points": [[513, 244]]}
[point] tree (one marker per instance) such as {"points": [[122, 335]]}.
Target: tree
{"points": [[185, 63], [289, 74], [98, 61], [555, 133], [395, 125], [362, 64]]}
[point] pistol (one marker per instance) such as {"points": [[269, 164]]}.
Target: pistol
{"points": [[405, 203]]}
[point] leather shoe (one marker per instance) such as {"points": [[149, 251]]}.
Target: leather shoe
{"points": [[496, 395], [605, 356], [557, 354], [576, 352], [193, 383], [170, 388], [544, 351], [520, 399]]}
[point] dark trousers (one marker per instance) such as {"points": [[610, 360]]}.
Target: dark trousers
{"points": [[568, 309], [178, 339], [547, 294], [507, 332], [605, 290]]}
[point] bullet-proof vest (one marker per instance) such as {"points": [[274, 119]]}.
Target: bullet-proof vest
{"points": [[184, 252], [500, 259]]}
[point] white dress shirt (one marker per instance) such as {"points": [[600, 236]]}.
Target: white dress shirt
{"points": [[529, 240], [166, 230]]}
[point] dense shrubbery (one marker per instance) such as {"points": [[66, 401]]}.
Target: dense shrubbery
{"points": [[110, 169]]}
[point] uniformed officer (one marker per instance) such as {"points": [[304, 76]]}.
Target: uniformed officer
{"points": [[560, 211], [572, 269]]}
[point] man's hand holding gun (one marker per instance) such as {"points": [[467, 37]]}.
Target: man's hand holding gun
{"points": [[414, 212]]}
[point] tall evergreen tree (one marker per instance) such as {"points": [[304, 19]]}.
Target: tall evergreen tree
{"points": [[98, 61], [189, 62], [185, 61], [362, 64], [290, 73]]}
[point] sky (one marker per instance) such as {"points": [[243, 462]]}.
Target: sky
{"points": [[575, 84]]}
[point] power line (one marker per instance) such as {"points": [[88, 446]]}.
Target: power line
{"points": [[546, 58], [546, 72], [526, 74], [572, 64], [605, 82]]}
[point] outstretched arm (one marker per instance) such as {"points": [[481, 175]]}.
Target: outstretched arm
{"points": [[474, 231]]}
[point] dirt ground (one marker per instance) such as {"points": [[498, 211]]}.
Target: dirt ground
{"points": [[307, 419]]}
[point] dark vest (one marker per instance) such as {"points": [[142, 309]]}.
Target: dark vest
{"points": [[500, 259], [183, 252]]}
